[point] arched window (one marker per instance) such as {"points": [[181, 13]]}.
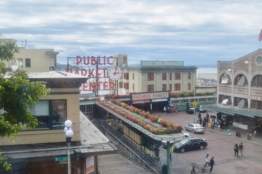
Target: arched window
{"points": [[240, 102], [225, 79], [257, 81], [225, 100], [240, 80]]}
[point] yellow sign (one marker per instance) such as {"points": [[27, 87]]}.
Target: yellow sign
{"points": [[194, 104]]}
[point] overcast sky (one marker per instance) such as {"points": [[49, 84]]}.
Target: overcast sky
{"points": [[200, 32]]}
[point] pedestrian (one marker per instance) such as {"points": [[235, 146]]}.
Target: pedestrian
{"points": [[206, 160], [211, 164], [164, 109], [236, 149], [240, 147], [204, 122]]}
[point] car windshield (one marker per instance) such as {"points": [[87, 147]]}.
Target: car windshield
{"points": [[181, 143]]}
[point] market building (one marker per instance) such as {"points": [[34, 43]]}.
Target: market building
{"points": [[239, 92], [43, 149]]}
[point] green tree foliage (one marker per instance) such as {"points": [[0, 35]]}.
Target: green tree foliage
{"points": [[17, 96]]}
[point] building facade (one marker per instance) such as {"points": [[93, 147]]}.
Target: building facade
{"points": [[36, 60], [239, 90], [43, 149], [31, 59], [150, 76]]}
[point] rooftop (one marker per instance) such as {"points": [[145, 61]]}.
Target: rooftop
{"points": [[54, 75]]}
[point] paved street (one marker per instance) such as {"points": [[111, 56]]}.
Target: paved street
{"points": [[118, 164], [220, 144]]}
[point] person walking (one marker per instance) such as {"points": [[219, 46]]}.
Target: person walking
{"points": [[236, 149], [240, 147], [206, 160], [211, 164]]}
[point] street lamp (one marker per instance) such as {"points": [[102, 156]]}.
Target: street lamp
{"points": [[68, 134]]}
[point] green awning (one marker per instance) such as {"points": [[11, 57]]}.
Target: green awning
{"points": [[252, 113]]}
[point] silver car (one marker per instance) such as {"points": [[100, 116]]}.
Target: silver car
{"points": [[195, 127]]}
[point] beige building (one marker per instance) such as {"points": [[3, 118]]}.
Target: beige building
{"points": [[32, 59], [36, 60], [239, 91], [151, 76], [42, 149]]}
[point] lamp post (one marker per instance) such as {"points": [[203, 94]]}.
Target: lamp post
{"points": [[68, 134]]}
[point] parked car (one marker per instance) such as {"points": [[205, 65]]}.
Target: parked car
{"points": [[190, 110], [190, 144], [195, 127]]}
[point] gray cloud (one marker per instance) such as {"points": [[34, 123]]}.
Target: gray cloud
{"points": [[189, 30]]}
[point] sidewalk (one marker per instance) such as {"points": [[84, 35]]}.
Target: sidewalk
{"points": [[230, 132]]}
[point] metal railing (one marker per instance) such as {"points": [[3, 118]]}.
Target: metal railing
{"points": [[129, 148]]}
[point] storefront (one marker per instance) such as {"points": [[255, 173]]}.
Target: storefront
{"points": [[151, 101]]}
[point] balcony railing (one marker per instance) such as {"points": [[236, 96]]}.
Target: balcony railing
{"points": [[225, 89], [240, 90], [256, 91]]}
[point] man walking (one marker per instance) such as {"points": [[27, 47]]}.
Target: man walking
{"points": [[240, 147], [236, 149], [211, 164]]}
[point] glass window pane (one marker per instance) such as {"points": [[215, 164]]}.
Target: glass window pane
{"points": [[41, 109]]}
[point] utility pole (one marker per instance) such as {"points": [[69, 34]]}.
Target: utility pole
{"points": [[96, 77], [169, 149]]}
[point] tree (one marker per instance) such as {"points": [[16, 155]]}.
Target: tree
{"points": [[17, 95]]}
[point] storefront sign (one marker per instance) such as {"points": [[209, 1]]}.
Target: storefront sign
{"points": [[61, 159], [149, 96], [90, 165], [101, 72], [240, 125]]}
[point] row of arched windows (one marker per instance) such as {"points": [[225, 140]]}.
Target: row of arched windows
{"points": [[241, 80]]}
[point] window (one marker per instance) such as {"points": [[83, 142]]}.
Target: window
{"points": [[50, 113], [58, 112], [163, 87], [189, 75], [189, 86], [20, 63], [150, 88], [27, 63], [126, 76], [256, 104], [120, 84], [150, 76], [41, 109], [133, 86], [133, 75], [126, 85], [164, 76], [170, 87], [177, 87], [177, 75], [170, 76]]}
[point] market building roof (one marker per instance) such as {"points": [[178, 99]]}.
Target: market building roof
{"points": [[161, 65]]}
